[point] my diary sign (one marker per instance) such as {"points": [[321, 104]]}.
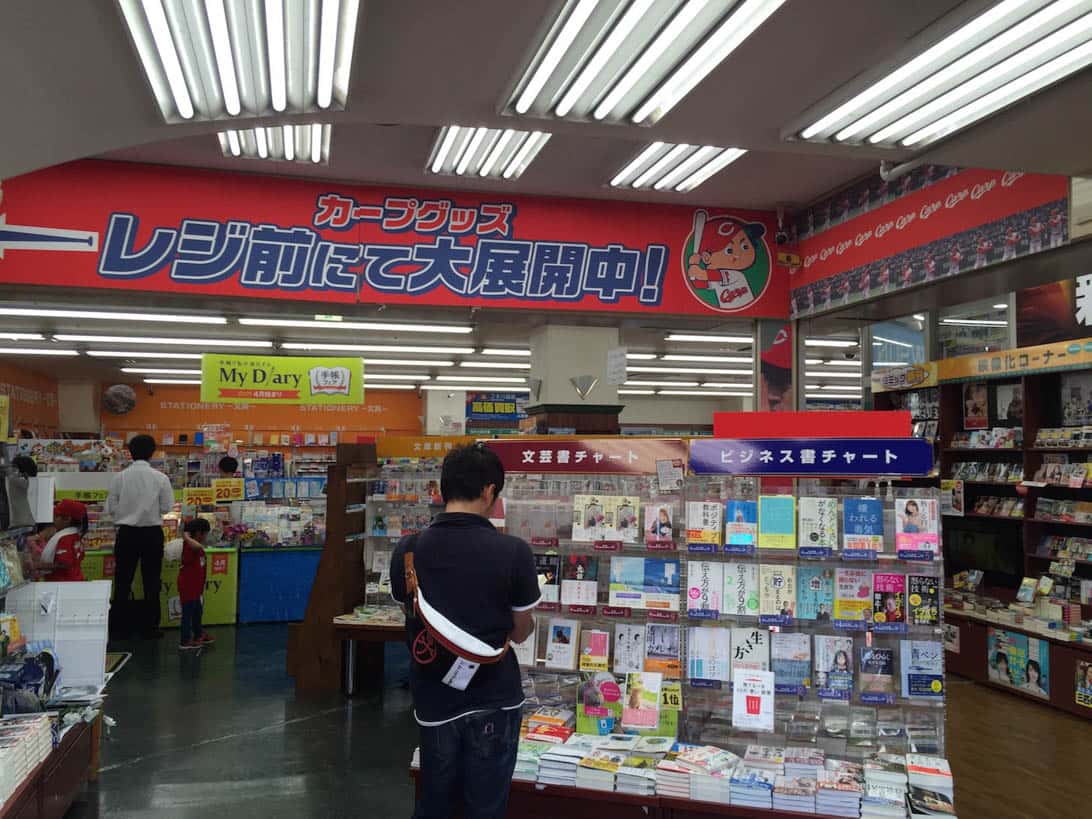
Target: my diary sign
{"points": [[132, 227]]}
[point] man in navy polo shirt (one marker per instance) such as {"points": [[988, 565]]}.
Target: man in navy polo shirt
{"points": [[484, 585]]}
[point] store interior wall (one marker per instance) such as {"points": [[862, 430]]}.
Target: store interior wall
{"points": [[78, 406], [666, 410], [34, 402]]}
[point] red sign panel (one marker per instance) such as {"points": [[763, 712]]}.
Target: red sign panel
{"points": [[600, 455], [847, 424], [125, 226]]}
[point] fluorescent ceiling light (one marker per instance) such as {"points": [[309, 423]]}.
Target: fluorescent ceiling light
{"points": [[500, 379], [886, 340], [288, 143], [492, 153], [828, 342], [505, 351], [378, 326], [694, 370], [376, 348], [710, 339], [633, 61], [821, 374], [890, 364], [975, 322], [172, 380], [705, 393], [158, 371], [497, 365], [664, 165], [142, 354], [219, 59], [369, 385], [22, 337], [642, 383], [402, 362], [830, 395], [919, 316], [636, 392], [159, 318], [1000, 307], [640, 356], [725, 385], [394, 377], [711, 359], [184, 342], [37, 351], [1009, 51], [842, 387], [474, 388], [834, 363]]}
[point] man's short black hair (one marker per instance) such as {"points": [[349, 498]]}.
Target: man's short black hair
{"points": [[228, 465], [142, 447], [468, 470], [25, 465], [197, 526]]}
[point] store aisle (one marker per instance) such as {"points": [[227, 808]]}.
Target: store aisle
{"points": [[223, 735]]}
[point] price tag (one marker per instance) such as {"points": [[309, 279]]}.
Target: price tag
{"points": [[198, 496], [671, 696], [226, 490]]}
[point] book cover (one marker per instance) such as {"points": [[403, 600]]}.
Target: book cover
{"points": [[790, 660], [1026, 592], [592, 517], [579, 580], [776, 522], [548, 568], [877, 670], [863, 524], [659, 523], [740, 523], [814, 593], [833, 666], [925, 802], [626, 517], [662, 650], [818, 523], [923, 599], [708, 653], [705, 588], [629, 648], [853, 594], [525, 651], [917, 524], [741, 590], [752, 700], [777, 594], [888, 598], [599, 702], [562, 642], [603, 760], [641, 707], [750, 649], [594, 650], [703, 523], [921, 664], [644, 583]]}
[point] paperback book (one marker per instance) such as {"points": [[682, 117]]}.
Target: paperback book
{"points": [[833, 666], [641, 708], [790, 661], [740, 524], [594, 650], [818, 523], [863, 524], [644, 583], [580, 580], [888, 598], [923, 599], [918, 524], [548, 568], [562, 642], [659, 524], [777, 595], [921, 663], [592, 518], [708, 656], [525, 651], [877, 674], [750, 649], [629, 648], [627, 521], [741, 590], [814, 593], [662, 650], [853, 595], [705, 588], [777, 522], [704, 525]]}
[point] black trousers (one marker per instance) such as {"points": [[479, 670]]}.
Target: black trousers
{"points": [[143, 545]]}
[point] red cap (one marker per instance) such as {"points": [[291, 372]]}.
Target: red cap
{"points": [[74, 510], [780, 352]]}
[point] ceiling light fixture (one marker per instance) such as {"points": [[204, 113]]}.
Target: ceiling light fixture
{"points": [[158, 371], [219, 59], [643, 383], [395, 377], [636, 392], [834, 363], [375, 348], [399, 362], [492, 153], [1000, 307], [500, 379], [834, 396], [506, 351], [663, 164], [22, 337], [689, 370], [890, 364], [159, 318], [710, 359], [975, 322], [474, 388], [705, 393], [172, 380], [291, 143], [143, 354], [37, 351], [885, 340], [378, 326], [631, 61], [725, 385], [184, 342], [497, 365], [842, 387], [1009, 51], [828, 342], [819, 374], [710, 339], [372, 386], [919, 316], [640, 356]]}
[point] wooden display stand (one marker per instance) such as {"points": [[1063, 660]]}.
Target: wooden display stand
{"points": [[52, 787], [583, 419], [314, 647]]}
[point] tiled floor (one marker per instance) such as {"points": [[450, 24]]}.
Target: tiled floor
{"points": [[223, 736]]}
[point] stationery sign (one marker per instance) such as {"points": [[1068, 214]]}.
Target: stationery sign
{"points": [[626, 456], [806, 457], [257, 379]]}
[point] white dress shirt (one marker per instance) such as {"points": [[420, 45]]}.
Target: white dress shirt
{"points": [[139, 496]]}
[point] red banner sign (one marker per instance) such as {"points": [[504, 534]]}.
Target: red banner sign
{"points": [[603, 455], [125, 226]]}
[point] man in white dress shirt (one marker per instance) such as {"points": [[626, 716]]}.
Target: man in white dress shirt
{"points": [[139, 498]]}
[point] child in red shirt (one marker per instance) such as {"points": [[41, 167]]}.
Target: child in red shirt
{"points": [[63, 553], [191, 585]]}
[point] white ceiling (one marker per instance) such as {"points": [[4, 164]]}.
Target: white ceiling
{"points": [[73, 88]]}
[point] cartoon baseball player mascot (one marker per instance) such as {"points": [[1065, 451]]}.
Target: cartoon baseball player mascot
{"points": [[728, 265]]}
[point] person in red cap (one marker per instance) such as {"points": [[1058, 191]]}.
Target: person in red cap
{"points": [[62, 556], [775, 366]]}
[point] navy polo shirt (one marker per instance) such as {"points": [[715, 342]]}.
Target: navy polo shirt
{"points": [[476, 577]]}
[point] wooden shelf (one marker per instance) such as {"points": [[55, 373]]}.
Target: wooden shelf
{"points": [[985, 483], [1060, 523], [984, 517]]}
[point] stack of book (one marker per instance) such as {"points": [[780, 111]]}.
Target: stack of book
{"points": [[794, 793], [752, 787], [637, 775], [883, 802], [596, 771], [712, 787], [931, 786], [765, 758], [553, 725], [672, 779], [839, 789], [25, 742], [804, 762], [886, 769], [558, 765], [527, 757], [710, 770], [923, 803]]}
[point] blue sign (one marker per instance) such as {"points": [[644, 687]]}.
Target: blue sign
{"points": [[807, 457], [495, 406]]}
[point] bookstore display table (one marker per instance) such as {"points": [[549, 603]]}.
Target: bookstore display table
{"points": [[275, 583], [374, 637], [968, 649], [50, 789]]}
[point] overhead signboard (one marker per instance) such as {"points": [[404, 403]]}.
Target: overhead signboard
{"points": [[261, 379]]}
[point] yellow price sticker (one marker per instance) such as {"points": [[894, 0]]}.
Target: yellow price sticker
{"points": [[671, 696], [198, 496], [227, 489]]}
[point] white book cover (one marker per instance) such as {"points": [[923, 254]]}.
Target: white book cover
{"points": [[704, 522], [818, 526], [705, 586], [752, 700], [525, 651], [629, 648], [751, 648], [741, 591], [563, 641], [709, 652]]}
